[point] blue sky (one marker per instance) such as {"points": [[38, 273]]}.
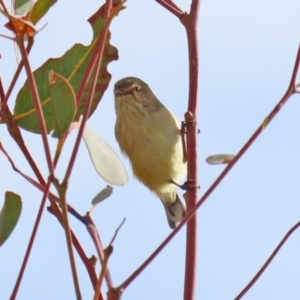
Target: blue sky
{"points": [[247, 52]]}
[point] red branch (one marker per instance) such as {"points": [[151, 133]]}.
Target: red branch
{"points": [[266, 264], [37, 102], [92, 229], [30, 243], [92, 67], [190, 23], [292, 89], [171, 7]]}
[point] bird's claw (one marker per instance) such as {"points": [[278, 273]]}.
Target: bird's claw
{"points": [[188, 185]]}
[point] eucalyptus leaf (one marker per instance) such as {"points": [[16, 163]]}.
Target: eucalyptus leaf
{"points": [[63, 99], [106, 162], [9, 215], [22, 7], [72, 66]]}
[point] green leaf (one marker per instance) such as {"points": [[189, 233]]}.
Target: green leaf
{"points": [[39, 9], [22, 7], [9, 215], [106, 162], [71, 66], [63, 100]]}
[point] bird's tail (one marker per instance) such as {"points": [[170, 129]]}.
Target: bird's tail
{"points": [[175, 211]]}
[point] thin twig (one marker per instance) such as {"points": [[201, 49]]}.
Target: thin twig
{"points": [[107, 253], [290, 91], [92, 230], [41, 186], [62, 191], [29, 179], [14, 80], [37, 103], [94, 64], [266, 264], [30, 243], [3, 7], [171, 7], [16, 134], [54, 209]]}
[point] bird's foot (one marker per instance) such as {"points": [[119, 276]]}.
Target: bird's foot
{"points": [[188, 185]]}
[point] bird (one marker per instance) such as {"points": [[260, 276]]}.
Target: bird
{"points": [[150, 136]]}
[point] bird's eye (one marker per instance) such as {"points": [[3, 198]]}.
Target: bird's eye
{"points": [[137, 89]]}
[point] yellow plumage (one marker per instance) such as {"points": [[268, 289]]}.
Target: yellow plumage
{"points": [[150, 136]]}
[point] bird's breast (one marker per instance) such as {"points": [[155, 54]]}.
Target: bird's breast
{"points": [[152, 142]]}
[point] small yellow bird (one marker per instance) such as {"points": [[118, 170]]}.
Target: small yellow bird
{"points": [[150, 136]]}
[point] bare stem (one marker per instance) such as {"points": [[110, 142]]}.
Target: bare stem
{"points": [[14, 80], [290, 91], [54, 209], [30, 243], [92, 229], [37, 103], [62, 190], [190, 23], [107, 253], [171, 7], [266, 264], [57, 212], [94, 64]]}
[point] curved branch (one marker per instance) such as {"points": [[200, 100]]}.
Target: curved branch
{"points": [[266, 264]]}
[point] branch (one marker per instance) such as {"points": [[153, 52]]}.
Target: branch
{"points": [[171, 7], [62, 191], [37, 103], [93, 66], [30, 243], [190, 23], [292, 89], [266, 264], [92, 229], [14, 80], [107, 253], [56, 212]]}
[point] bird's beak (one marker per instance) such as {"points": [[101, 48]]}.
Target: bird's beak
{"points": [[119, 92]]}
